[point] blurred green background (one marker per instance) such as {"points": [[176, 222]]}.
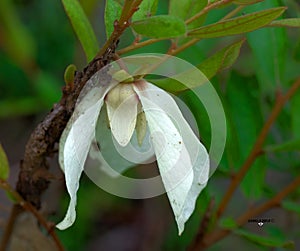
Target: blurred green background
{"points": [[36, 45]]}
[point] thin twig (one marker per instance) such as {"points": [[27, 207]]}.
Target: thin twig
{"points": [[20, 202], [209, 7], [203, 226], [251, 213], [129, 8], [196, 40], [135, 45], [174, 51], [234, 12], [257, 148], [192, 41], [9, 227]]}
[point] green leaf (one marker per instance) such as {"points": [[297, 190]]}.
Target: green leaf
{"points": [[209, 67], [275, 231], [146, 9], [295, 114], [291, 206], [89, 6], [174, 86], [238, 25], [11, 197], [272, 42], [82, 27], [292, 145], [221, 60], [186, 9], [20, 107], [112, 13], [289, 22], [246, 2], [4, 166], [228, 223], [162, 26], [16, 39], [47, 88], [244, 112], [263, 240]]}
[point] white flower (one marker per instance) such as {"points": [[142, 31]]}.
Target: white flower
{"points": [[182, 160]]}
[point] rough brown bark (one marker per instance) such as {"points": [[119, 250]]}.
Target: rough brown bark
{"points": [[33, 179]]}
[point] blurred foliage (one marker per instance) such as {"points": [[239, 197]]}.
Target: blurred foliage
{"points": [[37, 43]]}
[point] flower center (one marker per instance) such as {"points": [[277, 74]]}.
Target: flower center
{"points": [[119, 94]]}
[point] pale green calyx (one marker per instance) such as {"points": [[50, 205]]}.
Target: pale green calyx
{"points": [[116, 100], [141, 125], [121, 104], [123, 76], [119, 94]]}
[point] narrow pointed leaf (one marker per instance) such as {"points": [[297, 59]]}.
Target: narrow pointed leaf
{"points": [[268, 241], [291, 206], [270, 70], [221, 60], [289, 22], [292, 145], [246, 2], [162, 26], [228, 223], [82, 27], [186, 9], [146, 9], [245, 112], [112, 13], [4, 166], [238, 25]]}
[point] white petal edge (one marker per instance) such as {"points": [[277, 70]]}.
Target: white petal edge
{"points": [[87, 98], [107, 150], [152, 97], [75, 144], [172, 157], [75, 152]]}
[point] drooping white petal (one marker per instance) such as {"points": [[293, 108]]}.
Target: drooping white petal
{"points": [[121, 105], [172, 156], [75, 143], [103, 148], [75, 152], [62, 143], [118, 158], [90, 95], [190, 162]]}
